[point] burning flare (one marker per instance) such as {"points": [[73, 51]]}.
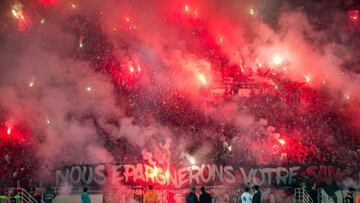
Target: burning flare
{"points": [[202, 79], [277, 59]]}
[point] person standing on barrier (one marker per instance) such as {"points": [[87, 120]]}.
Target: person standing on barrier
{"points": [[151, 196], [257, 195], [204, 197], [246, 197], [85, 197], [191, 196]]}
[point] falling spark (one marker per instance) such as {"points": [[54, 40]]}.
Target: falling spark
{"points": [[81, 45], [127, 19], [229, 148], [31, 82], [277, 59], [192, 160], [132, 27], [221, 39], [42, 21], [139, 68], [8, 131], [282, 141], [48, 121], [276, 87], [17, 14], [307, 78], [252, 12], [131, 68], [73, 6], [14, 13], [89, 89], [187, 9], [284, 69], [347, 97], [202, 79], [196, 13]]}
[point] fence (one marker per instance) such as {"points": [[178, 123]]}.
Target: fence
{"points": [[301, 196], [21, 194]]}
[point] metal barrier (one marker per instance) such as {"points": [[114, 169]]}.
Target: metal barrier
{"points": [[323, 197], [24, 195], [301, 196]]}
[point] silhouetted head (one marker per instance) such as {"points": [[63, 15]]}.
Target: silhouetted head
{"points": [[193, 190], [202, 189], [256, 188], [150, 187], [85, 189], [247, 189]]}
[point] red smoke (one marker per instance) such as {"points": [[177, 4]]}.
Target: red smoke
{"points": [[13, 134], [225, 75]]}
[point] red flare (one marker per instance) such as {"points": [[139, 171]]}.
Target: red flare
{"points": [[47, 2], [186, 8], [131, 68], [282, 141], [354, 15], [8, 131], [202, 79]]}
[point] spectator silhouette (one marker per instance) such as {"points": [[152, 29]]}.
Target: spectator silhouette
{"points": [[257, 195], [49, 195], [204, 197], [191, 196], [85, 197], [151, 196], [246, 197]]}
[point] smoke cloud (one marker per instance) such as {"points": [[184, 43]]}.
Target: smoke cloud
{"points": [[121, 81]]}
